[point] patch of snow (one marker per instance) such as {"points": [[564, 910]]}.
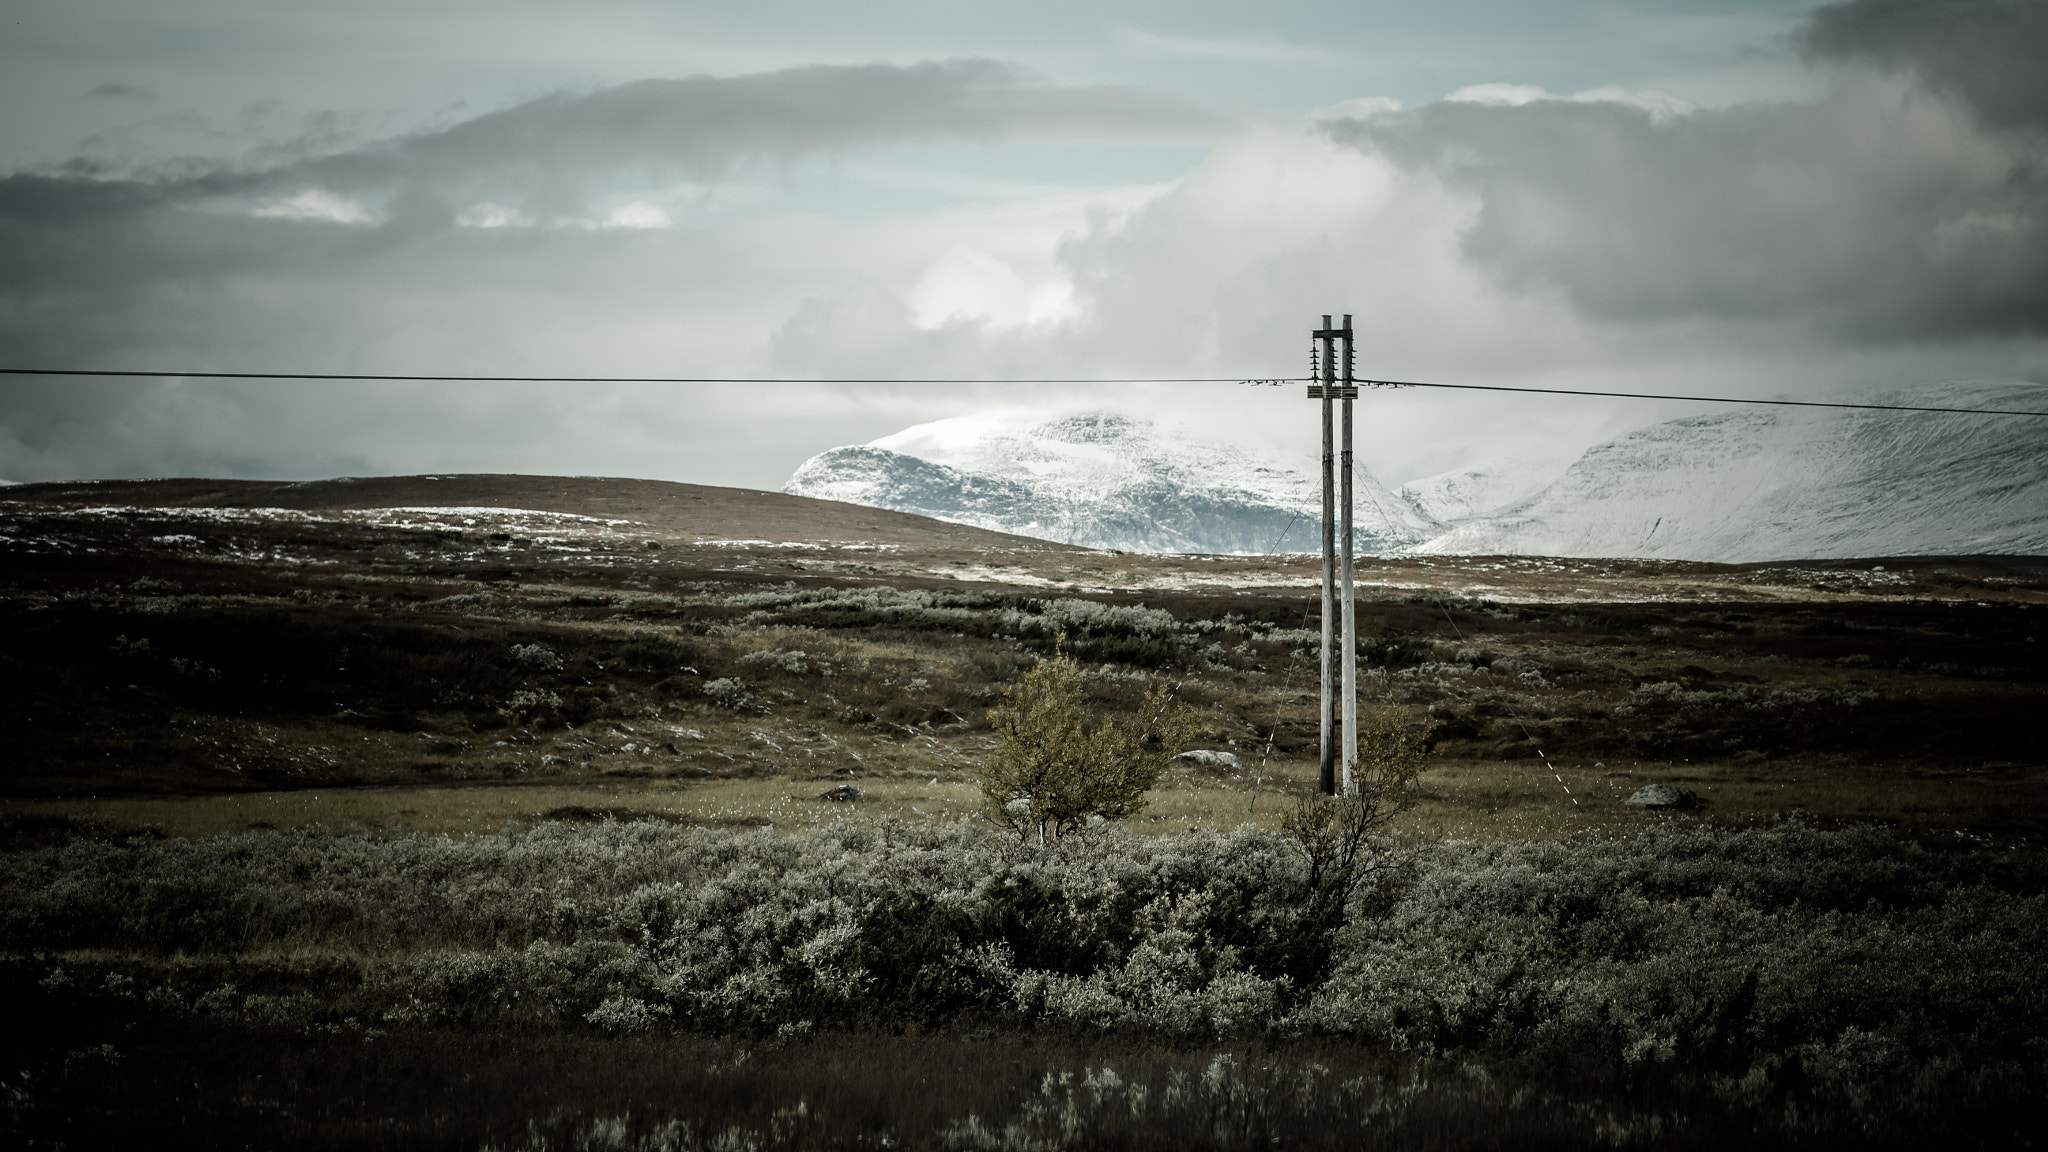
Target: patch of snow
{"points": [[481, 511]]}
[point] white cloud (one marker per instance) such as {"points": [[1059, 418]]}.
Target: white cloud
{"points": [[1357, 108], [1499, 95], [638, 214], [1219, 47], [489, 215], [968, 284], [315, 204], [1661, 106]]}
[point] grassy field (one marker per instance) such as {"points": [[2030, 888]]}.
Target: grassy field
{"points": [[403, 809], [1492, 800]]}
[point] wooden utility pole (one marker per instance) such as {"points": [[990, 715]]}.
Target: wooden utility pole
{"points": [[1327, 372], [1327, 389], [1349, 653]]}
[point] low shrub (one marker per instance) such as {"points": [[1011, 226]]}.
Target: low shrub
{"points": [[1788, 969]]}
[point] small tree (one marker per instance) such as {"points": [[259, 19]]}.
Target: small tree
{"points": [[1057, 765]]}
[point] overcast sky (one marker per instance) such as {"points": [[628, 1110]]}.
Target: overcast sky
{"points": [[1748, 198]]}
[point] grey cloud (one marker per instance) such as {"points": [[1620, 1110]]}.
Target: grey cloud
{"points": [[117, 91], [1881, 213], [94, 267], [1993, 54], [170, 270], [700, 125], [704, 122]]}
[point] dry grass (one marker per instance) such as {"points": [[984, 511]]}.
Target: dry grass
{"points": [[779, 802], [1460, 799], [1522, 799]]}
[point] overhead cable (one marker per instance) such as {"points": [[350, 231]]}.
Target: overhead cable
{"points": [[369, 377]]}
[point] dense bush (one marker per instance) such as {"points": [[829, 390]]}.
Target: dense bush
{"points": [[1845, 968]]}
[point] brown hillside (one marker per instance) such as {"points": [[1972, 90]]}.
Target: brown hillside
{"points": [[682, 510]]}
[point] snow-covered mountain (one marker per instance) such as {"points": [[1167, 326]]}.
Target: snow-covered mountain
{"points": [[1101, 480], [1755, 484], [1481, 489], [1742, 484]]}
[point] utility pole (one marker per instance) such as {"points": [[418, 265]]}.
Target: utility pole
{"points": [[1323, 389], [1349, 653], [1327, 389]]}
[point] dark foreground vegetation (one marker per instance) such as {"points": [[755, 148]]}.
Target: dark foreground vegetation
{"points": [[641, 985]]}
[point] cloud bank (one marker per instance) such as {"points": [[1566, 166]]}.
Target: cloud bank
{"points": [[1910, 204], [1892, 230]]}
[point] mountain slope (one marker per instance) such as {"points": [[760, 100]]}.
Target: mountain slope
{"points": [[1100, 480], [683, 510], [1759, 484], [1487, 488]]}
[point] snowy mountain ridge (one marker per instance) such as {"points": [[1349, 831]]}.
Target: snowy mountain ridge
{"points": [[1754, 484], [1100, 480], [1744, 484]]}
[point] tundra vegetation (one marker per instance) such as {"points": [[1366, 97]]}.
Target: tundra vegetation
{"points": [[334, 833]]}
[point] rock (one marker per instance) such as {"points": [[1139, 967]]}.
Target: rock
{"points": [[1208, 759], [1662, 796], [845, 792]]}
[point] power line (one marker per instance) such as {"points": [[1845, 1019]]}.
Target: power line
{"points": [[620, 379], [367, 377], [1699, 399]]}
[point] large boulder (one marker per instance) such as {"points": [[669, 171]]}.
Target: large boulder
{"points": [[1663, 796]]}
